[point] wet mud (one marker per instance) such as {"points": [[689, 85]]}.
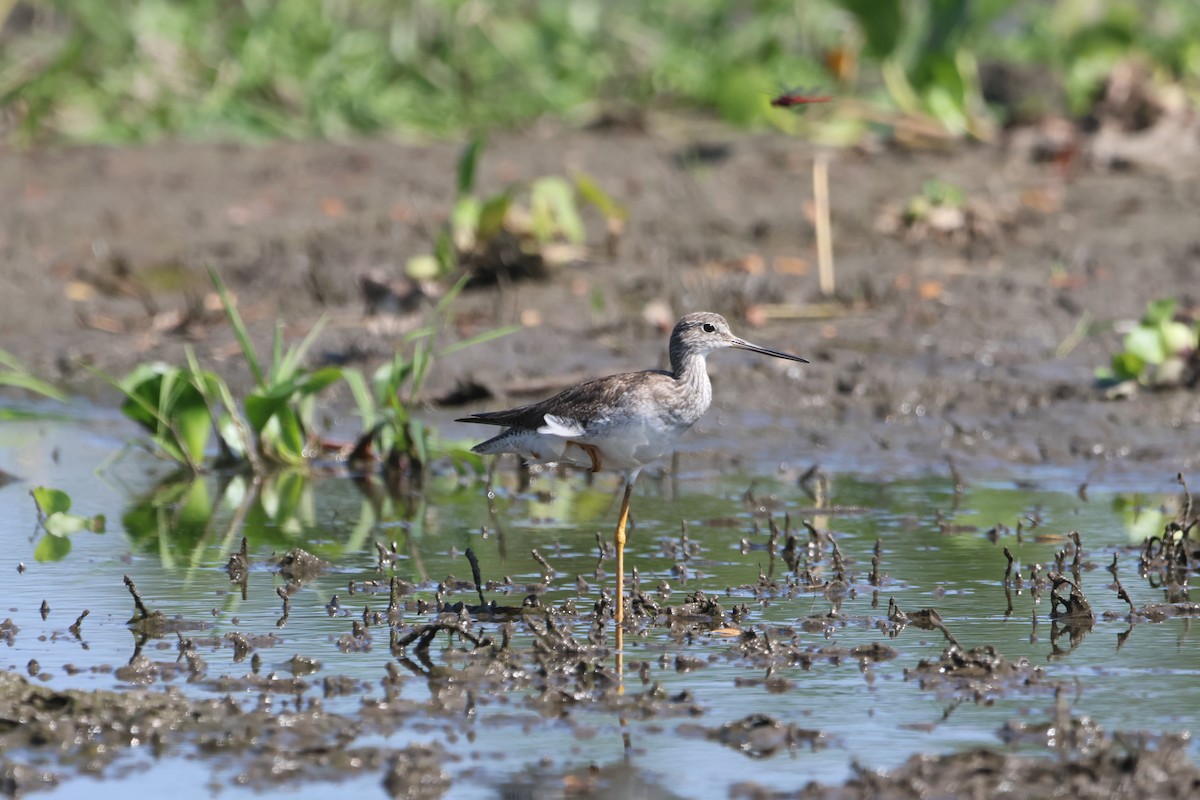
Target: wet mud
{"points": [[482, 661]]}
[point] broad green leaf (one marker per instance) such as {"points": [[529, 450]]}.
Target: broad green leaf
{"points": [[444, 251], [142, 388], [1127, 365], [739, 94], [1159, 311], [464, 223], [1146, 344], [51, 501], [553, 200], [193, 423], [947, 108], [260, 408], [320, 379], [881, 23], [283, 438], [492, 215], [62, 524], [51, 548], [1178, 338], [467, 164]]}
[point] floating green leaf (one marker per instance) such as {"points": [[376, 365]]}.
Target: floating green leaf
{"points": [[64, 524], [51, 548], [51, 501]]}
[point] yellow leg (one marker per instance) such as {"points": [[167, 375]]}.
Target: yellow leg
{"points": [[620, 542]]}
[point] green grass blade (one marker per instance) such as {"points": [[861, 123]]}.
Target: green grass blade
{"points": [[363, 398], [479, 338], [239, 328], [18, 377], [467, 164]]}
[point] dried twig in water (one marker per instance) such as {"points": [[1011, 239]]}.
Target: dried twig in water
{"points": [[476, 575], [1187, 499], [876, 557], [142, 610], [547, 570], [1124, 595]]}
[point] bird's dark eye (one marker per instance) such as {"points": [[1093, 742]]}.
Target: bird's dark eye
{"points": [[708, 327]]}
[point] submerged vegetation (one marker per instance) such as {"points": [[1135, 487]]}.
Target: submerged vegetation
{"points": [[136, 70]]}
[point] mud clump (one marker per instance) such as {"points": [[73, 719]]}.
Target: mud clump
{"points": [[416, 774], [980, 673], [758, 735], [17, 779], [299, 566], [1123, 765]]}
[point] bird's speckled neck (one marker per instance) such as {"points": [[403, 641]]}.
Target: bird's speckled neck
{"points": [[689, 367]]}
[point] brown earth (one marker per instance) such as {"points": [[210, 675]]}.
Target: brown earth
{"points": [[951, 339]]}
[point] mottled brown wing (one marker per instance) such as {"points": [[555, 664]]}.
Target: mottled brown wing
{"points": [[582, 403]]}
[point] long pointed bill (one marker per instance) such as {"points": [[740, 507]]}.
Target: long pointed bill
{"points": [[742, 344]]}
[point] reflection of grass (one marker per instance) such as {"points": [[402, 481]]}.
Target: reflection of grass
{"points": [[128, 70]]}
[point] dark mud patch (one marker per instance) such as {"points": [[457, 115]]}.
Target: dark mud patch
{"points": [[1117, 765], [758, 735]]}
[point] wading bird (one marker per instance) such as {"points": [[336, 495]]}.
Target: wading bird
{"points": [[622, 422]]}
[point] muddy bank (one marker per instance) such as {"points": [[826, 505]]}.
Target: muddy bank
{"points": [[958, 339]]}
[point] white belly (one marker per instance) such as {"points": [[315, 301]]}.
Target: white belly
{"points": [[622, 447]]}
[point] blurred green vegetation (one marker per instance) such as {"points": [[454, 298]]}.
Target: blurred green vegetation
{"points": [[136, 70]]}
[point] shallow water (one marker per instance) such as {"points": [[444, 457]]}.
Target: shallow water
{"points": [[174, 540]]}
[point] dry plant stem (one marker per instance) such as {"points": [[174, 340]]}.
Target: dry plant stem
{"points": [[824, 229]]}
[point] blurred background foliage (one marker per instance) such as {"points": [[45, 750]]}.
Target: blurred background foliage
{"points": [[138, 70]]}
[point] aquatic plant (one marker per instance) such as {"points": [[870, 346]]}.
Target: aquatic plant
{"points": [[386, 403], [56, 521]]}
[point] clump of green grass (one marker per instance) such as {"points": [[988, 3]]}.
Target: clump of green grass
{"points": [[134, 70], [186, 408]]}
